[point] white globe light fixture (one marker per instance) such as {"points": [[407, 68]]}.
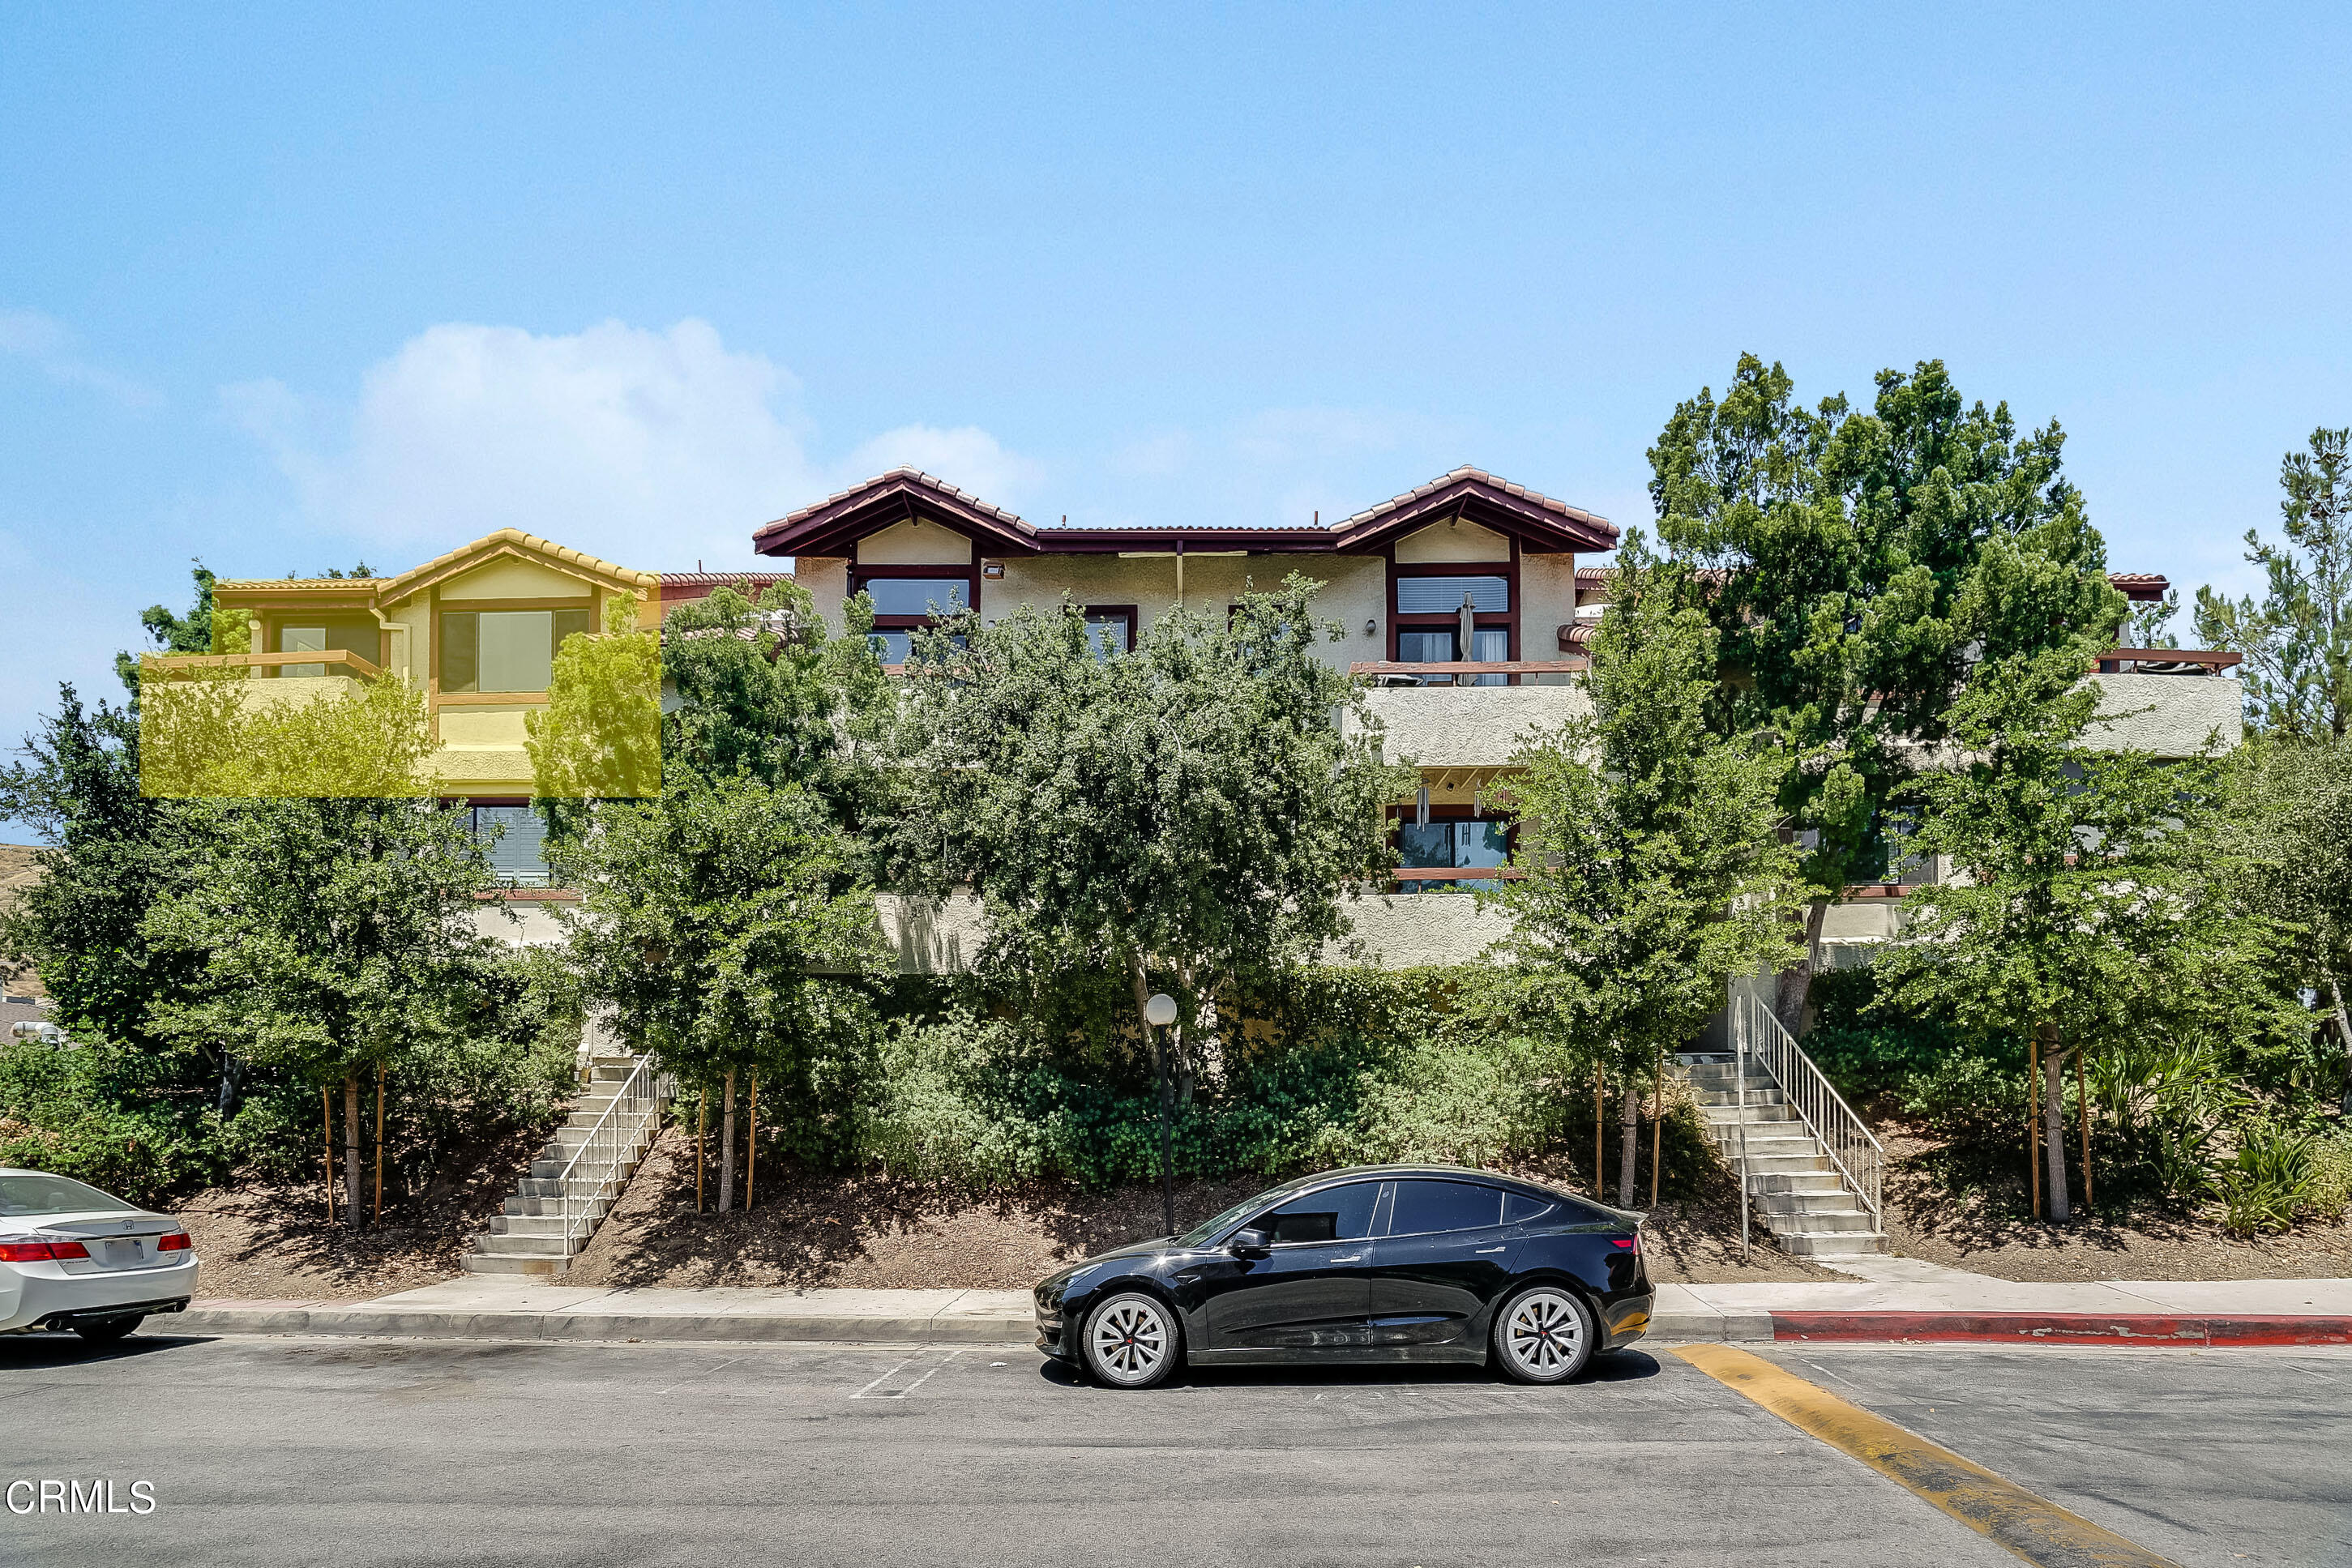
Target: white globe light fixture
{"points": [[1161, 1010]]}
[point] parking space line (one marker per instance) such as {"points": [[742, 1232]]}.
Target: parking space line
{"points": [[887, 1375], [934, 1372], [2024, 1522]]}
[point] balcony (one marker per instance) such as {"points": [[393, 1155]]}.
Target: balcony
{"points": [[1436, 725]]}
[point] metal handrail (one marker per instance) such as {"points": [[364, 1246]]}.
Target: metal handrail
{"points": [[1758, 1033], [595, 1169]]}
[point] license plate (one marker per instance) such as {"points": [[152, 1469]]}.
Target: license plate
{"points": [[125, 1250]]}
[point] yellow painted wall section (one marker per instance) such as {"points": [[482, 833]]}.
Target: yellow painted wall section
{"points": [[508, 577]]}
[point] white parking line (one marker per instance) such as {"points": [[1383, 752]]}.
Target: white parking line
{"points": [[928, 1375], [887, 1375], [870, 1390]]}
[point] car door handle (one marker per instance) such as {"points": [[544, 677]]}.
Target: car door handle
{"points": [[1484, 1251], [1351, 1257]]}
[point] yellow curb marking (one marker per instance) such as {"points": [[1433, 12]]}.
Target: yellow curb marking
{"points": [[2033, 1527]]}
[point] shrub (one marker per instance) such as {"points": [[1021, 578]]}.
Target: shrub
{"points": [[92, 1113], [2276, 1177]]}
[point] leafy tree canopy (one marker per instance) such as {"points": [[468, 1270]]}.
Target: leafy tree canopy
{"points": [[1181, 814], [2297, 640], [600, 734]]}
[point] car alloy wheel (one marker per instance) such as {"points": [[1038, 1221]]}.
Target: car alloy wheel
{"points": [[1543, 1334], [1131, 1341]]}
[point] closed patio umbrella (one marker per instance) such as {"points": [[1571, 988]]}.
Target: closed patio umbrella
{"points": [[1466, 641]]}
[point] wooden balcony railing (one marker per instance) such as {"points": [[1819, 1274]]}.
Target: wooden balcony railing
{"points": [[341, 661], [2202, 661], [1393, 672]]}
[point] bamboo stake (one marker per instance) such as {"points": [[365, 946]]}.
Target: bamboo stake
{"points": [[327, 1110], [2033, 1118], [701, 1114], [751, 1153], [378, 1141], [1599, 1123], [1657, 1121], [2083, 1104]]}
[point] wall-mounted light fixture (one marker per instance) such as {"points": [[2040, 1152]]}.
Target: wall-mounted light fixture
{"points": [[991, 569], [1371, 625]]}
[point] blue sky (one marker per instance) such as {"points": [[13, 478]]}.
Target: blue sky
{"points": [[286, 288]]}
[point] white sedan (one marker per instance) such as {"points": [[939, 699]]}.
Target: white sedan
{"points": [[72, 1257]]}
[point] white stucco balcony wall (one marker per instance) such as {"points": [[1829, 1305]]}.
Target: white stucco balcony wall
{"points": [[2170, 715], [1467, 727]]}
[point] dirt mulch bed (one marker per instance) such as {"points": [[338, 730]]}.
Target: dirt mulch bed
{"points": [[271, 1241], [815, 1229], [1987, 1232]]}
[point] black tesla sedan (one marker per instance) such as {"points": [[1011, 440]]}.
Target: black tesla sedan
{"points": [[1377, 1263]]}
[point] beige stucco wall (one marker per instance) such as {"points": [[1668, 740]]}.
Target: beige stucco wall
{"points": [[1453, 540], [911, 543], [2170, 716], [1547, 604], [827, 580], [1402, 931], [1466, 726], [1355, 588]]}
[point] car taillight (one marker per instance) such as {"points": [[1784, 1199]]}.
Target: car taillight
{"points": [[175, 1242], [41, 1252], [1622, 1245]]}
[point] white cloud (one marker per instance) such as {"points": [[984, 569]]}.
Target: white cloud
{"points": [[655, 449], [47, 343], [967, 457]]}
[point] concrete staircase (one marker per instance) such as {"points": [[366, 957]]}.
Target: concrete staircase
{"points": [[528, 1238], [1794, 1186]]}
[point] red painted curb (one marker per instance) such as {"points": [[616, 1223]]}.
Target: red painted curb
{"points": [[2063, 1328]]}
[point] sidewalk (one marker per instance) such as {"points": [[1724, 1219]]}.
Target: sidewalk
{"points": [[1891, 1299]]}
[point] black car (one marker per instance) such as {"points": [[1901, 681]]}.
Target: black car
{"points": [[1378, 1263]]}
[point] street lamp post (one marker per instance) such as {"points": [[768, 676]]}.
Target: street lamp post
{"points": [[1158, 1014]]}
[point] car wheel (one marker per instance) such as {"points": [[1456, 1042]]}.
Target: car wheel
{"points": [[1545, 1334], [107, 1331], [1131, 1341]]}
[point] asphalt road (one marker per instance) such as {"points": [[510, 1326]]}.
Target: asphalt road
{"points": [[308, 1451]]}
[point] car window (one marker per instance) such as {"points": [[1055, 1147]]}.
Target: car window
{"points": [[1518, 1207], [1334, 1214], [1423, 1207], [35, 1194]]}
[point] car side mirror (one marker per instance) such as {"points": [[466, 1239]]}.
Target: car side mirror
{"points": [[1249, 1241]]}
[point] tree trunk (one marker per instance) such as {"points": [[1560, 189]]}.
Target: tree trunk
{"points": [[727, 1144], [2053, 1123], [1797, 981], [352, 1148], [227, 1101], [2344, 1038], [1629, 1125]]}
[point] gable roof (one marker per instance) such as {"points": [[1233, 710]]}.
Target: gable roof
{"points": [[833, 526], [506, 542]]}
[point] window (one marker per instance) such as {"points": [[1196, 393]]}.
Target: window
{"points": [[1444, 595], [1423, 1207], [27, 1193], [1451, 846], [1334, 1214], [1518, 1208], [516, 842], [916, 595], [359, 635], [504, 650], [1111, 629]]}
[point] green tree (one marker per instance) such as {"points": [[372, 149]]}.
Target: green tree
{"points": [[2297, 642], [2089, 908], [723, 924], [1649, 873], [2290, 824], [331, 935], [1840, 551], [600, 735], [113, 853], [214, 733], [1175, 817]]}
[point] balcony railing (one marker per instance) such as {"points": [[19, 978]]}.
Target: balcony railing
{"points": [[1515, 672], [2168, 661], [339, 661]]}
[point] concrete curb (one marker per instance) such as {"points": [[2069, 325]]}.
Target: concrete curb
{"points": [[706, 1328], [2151, 1329]]}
